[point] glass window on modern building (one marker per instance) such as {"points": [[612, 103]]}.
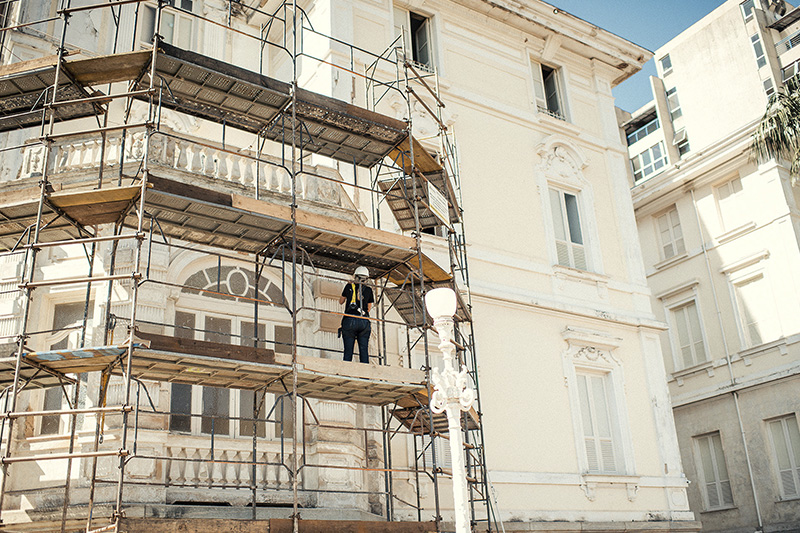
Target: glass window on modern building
{"points": [[673, 104], [666, 65], [649, 162]]}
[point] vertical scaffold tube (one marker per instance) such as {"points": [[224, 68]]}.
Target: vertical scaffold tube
{"points": [[31, 253]]}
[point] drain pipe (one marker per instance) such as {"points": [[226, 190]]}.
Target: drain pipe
{"points": [[734, 393]]}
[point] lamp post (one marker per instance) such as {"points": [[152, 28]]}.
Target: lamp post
{"points": [[451, 395]]}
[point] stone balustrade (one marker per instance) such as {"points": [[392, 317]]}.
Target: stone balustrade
{"points": [[186, 159], [195, 467]]}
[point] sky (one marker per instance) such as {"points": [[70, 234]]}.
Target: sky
{"points": [[648, 23]]}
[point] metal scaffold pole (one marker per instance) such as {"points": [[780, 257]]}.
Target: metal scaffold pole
{"points": [[31, 255]]}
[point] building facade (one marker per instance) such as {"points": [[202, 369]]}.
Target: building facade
{"points": [[575, 412], [719, 234]]}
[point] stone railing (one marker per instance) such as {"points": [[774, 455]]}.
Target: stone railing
{"points": [[187, 159], [194, 466]]}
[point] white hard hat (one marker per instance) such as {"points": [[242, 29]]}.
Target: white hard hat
{"points": [[362, 271]]}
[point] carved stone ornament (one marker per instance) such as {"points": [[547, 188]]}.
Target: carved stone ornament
{"points": [[592, 354], [561, 160]]}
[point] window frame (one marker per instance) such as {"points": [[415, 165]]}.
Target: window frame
{"points": [[656, 165], [761, 59], [271, 317], [651, 126], [406, 26], [739, 279], [677, 250], [540, 89], [68, 336], [748, 8], [673, 103], [583, 374], [727, 215], [666, 65], [148, 18], [675, 341], [567, 228], [793, 455], [718, 482], [593, 353]]}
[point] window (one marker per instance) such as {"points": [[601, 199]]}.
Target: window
{"points": [[785, 439], [218, 405], [570, 249], [415, 28], [596, 409], [730, 202], [669, 232], [547, 89], [649, 161], [769, 87], [689, 335], [51, 424], [761, 58], [673, 104], [716, 481], [790, 71], [176, 28], [644, 131], [748, 9], [756, 310], [66, 334], [666, 65], [681, 142], [442, 449]]}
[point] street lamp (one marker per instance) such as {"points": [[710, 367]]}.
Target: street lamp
{"points": [[451, 395]]}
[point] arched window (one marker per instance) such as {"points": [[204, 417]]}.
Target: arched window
{"points": [[217, 304]]}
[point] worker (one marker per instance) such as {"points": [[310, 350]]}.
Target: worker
{"points": [[357, 299]]}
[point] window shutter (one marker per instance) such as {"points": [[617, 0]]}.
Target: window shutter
{"points": [[538, 85], [597, 424], [579, 254], [677, 234], [787, 453], [666, 238]]}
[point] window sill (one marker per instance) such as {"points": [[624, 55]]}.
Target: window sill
{"points": [[788, 499], [671, 261], [579, 275], [718, 509], [736, 232], [708, 366], [591, 481], [560, 122]]}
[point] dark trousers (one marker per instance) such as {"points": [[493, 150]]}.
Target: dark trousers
{"points": [[356, 329]]}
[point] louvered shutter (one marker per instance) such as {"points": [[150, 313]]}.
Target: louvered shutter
{"points": [[597, 424]]}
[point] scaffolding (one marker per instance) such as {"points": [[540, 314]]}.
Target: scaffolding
{"points": [[145, 189]]}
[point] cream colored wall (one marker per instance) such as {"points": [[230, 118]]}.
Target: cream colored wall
{"points": [[714, 53], [522, 303]]}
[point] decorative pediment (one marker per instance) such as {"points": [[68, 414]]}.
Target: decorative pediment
{"points": [[591, 347], [560, 159]]}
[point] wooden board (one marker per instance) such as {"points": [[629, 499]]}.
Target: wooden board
{"points": [[274, 525], [424, 162], [99, 206], [109, 69]]}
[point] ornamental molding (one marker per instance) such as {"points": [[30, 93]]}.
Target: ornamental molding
{"points": [[560, 159]]}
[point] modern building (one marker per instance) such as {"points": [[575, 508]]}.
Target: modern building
{"points": [[218, 190], [719, 235]]}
